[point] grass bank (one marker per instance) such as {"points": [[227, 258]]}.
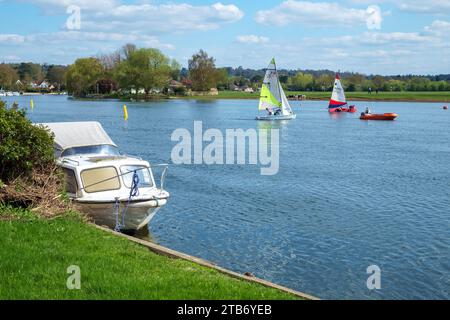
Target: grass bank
{"points": [[431, 96], [35, 254]]}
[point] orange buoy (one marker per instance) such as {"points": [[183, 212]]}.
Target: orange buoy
{"points": [[383, 116]]}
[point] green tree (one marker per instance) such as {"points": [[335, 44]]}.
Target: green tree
{"points": [[145, 68], [378, 82], [23, 146], [324, 82], [175, 70], [301, 81], [30, 72], [222, 79], [56, 74], [82, 76], [354, 81], [202, 71], [394, 85], [8, 76]]}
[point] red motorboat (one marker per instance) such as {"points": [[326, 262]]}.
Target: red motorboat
{"points": [[380, 116]]}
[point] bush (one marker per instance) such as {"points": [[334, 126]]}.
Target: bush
{"points": [[23, 146]]}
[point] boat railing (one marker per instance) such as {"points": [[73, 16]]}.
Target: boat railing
{"points": [[70, 160], [162, 179]]}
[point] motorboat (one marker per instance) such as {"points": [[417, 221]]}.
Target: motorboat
{"points": [[375, 116], [115, 190]]}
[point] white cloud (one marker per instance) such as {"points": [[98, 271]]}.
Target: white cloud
{"points": [[10, 58], [380, 38], [12, 38], [252, 39], [150, 18], [428, 6], [439, 28], [54, 6], [318, 13]]}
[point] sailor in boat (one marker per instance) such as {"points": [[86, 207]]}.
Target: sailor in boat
{"points": [[269, 111], [368, 110]]}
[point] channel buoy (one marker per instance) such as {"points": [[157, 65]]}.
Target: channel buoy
{"points": [[125, 113]]}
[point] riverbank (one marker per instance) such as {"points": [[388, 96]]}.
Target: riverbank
{"points": [[430, 96], [435, 96], [36, 253]]}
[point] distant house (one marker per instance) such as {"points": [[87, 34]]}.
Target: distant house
{"points": [[140, 91], [44, 85], [186, 82], [175, 84], [248, 89], [234, 87]]}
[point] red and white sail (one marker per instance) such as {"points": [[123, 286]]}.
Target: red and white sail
{"points": [[338, 99]]}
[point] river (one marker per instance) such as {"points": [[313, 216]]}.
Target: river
{"points": [[349, 194]]}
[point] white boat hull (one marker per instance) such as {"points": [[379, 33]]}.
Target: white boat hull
{"points": [[137, 216], [277, 117]]}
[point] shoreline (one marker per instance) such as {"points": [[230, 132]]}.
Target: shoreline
{"points": [[205, 98], [424, 97], [317, 99], [99, 252]]}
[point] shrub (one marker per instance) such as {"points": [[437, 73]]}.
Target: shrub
{"points": [[23, 146]]}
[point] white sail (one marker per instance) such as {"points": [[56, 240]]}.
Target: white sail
{"points": [[270, 91], [285, 106], [338, 96], [273, 98]]}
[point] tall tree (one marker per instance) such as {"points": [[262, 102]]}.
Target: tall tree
{"points": [[145, 68], [30, 72], [127, 50], [378, 82], [8, 76], [202, 71], [82, 76], [175, 72], [300, 81], [56, 74]]}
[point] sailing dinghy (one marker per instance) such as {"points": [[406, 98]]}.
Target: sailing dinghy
{"points": [[338, 102], [272, 99]]}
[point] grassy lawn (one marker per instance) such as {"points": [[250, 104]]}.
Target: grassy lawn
{"points": [[35, 254], [381, 96]]}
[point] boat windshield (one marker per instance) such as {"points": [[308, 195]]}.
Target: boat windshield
{"points": [[145, 179], [107, 150]]}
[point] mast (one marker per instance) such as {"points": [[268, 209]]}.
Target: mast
{"points": [[278, 82]]}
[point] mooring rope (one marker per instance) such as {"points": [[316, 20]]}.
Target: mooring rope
{"points": [[134, 192]]}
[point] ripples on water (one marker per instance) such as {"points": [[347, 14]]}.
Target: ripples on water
{"points": [[349, 193]]}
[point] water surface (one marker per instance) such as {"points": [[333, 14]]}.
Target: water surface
{"points": [[349, 193]]}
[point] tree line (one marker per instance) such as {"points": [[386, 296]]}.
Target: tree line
{"points": [[139, 70], [28, 72], [133, 70]]}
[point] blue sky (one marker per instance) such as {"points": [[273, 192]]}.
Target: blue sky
{"points": [[375, 37]]}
